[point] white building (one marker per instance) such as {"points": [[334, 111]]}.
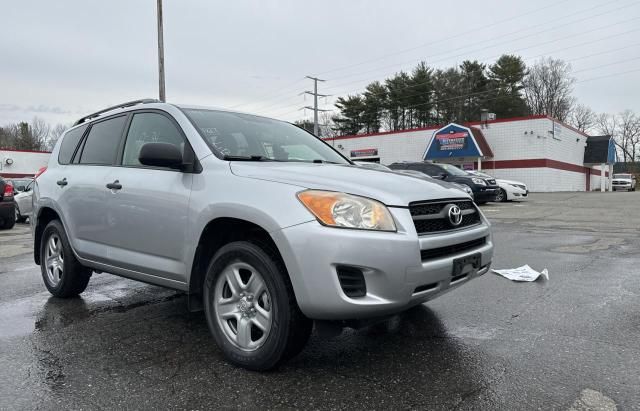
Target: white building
{"points": [[540, 151], [21, 163]]}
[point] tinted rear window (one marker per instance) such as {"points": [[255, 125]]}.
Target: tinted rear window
{"points": [[69, 143], [101, 146]]}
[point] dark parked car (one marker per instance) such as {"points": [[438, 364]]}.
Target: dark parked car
{"points": [[484, 189], [19, 184], [7, 205]]}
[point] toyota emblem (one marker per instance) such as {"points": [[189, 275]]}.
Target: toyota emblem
{"points": [[455, 215]]}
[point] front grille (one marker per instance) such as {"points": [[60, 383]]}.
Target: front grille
{"points": [[352, 281], [440, 252], [429, 217]]}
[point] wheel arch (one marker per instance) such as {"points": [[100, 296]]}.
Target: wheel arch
{"points": [[215, 234], [45, 216]]}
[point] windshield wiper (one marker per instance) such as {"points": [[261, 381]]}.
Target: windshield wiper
{"points": [[245, 158], [318, 161]]}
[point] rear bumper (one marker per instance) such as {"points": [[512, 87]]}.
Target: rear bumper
{"points": [[7, 210], [396, 277]]}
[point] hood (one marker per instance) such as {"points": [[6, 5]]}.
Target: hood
{"points": [[386, 186], [626, 180], [499, 180]]}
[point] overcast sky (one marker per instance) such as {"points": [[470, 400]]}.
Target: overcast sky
{"points": [[62, 59]]}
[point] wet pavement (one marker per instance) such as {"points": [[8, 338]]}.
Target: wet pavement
{"points": [[569, 343]]}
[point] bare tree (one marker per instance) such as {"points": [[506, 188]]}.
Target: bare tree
{"points": [[55, 134], [629, 131], [548, 88], [25, 136], [582, 118]]}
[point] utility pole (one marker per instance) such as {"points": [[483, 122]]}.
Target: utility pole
{"points": [[315, 102], [160, 54]]}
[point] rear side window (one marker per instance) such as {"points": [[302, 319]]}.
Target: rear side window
{"points": [[101, 145], [69, 143]]}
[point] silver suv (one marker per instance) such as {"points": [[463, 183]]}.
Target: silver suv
{"points": [[264, 226]]}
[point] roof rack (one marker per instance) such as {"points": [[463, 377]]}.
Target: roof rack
{"points": [[122, 105]]}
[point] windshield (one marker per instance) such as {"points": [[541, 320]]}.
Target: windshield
{"points": [[237, 136], [627, 176], [453, 170]]}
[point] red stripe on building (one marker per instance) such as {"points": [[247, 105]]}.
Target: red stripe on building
{"points": [[539, 163]]}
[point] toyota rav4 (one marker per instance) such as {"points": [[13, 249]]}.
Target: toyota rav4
{"points": [[260, 223]]}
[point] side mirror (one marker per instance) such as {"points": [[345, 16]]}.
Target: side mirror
{"points": [[161, 155], [440, 176]]}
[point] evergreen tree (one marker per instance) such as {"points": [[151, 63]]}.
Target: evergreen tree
{"points": [[506, 77]]}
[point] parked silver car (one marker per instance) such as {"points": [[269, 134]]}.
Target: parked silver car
{"points": [[23, 200], [260, 223]]}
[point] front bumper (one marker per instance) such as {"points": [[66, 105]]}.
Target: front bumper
{"points": [[621, 186], [485, 194], [391, 264]]}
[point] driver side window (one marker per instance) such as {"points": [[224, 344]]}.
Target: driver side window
{"points": [[149, 128]]}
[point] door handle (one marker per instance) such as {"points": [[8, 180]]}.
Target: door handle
{"points": [[62, 182], [115, 185]]}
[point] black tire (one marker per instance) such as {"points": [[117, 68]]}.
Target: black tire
{"points": [[290, 329], [8, 223], [75, 277], [501, 197]]}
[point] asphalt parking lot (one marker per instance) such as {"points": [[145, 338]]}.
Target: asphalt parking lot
{"points": [[569, 343]]}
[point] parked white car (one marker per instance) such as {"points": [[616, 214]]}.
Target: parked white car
{"points": [[624, 182], [509, 189], [23, 200]]}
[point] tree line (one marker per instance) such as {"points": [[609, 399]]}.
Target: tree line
{"points": [[36, 135], [509, 88], [428, 96]]}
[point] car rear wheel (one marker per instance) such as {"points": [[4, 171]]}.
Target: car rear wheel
{"points": [[251, 309], [8, 223], [63, 275], [501, 196]]}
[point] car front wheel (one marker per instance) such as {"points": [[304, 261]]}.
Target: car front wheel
{"points": [[63, 275], [251, 309], [501, 196]]}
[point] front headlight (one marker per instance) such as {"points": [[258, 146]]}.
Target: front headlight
{"points": [[348, 211], [479, 181]]}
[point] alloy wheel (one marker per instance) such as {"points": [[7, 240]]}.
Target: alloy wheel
{"points": [[54, 260], [243, 306]]}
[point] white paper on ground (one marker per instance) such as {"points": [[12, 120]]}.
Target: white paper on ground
{"points": [[524, 273]]}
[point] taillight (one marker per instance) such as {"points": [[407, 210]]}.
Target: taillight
{"points": [[40, 172], [8, 190]]}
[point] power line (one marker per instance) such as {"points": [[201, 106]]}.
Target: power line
{"points": [[577, 58], [463, 96], [359, 90], [484, 27], [500, 37], [497, 44]]}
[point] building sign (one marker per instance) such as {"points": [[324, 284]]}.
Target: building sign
{"points": [[365, 152], [468, 167], [452, 140]]}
